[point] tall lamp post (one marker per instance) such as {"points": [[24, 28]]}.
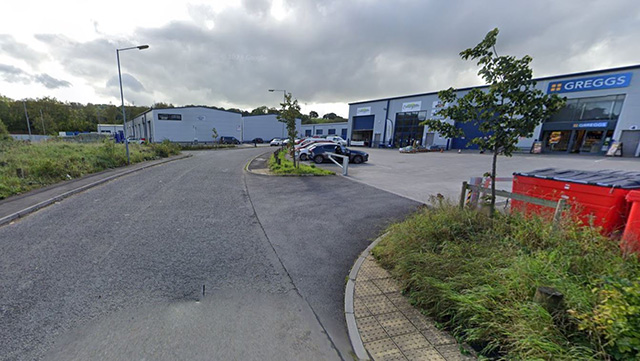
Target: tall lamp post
{"points": [[284, 100], [124, 117]]}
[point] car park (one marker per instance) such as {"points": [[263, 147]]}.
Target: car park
{"points": [[229, 140], [319, 153]]}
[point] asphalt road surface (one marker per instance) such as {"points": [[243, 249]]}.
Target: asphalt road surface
{"points": [[191, 260]]}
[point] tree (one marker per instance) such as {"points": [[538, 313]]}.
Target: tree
{"points": [[510, 108], [261, 110], [214, 134], [313, 114], [329, 116], [290, 111]]}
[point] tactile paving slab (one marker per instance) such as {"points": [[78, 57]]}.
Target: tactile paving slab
{"points": [[370, 329], [395, 324]]}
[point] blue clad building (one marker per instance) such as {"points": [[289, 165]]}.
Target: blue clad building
{"points": [[602, 106]]}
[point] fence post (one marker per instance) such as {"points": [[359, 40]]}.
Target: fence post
{"points": [[463, 194], [557, 216]]}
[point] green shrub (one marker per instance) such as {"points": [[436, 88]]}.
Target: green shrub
{"points": [[286, 167], [165, 149], [478, 277]]}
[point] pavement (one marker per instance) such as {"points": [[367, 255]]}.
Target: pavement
{"points": [[192, 259], [381, 322]]}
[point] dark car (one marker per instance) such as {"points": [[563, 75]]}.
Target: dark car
{"points": [[257, 140], [229, 140], [318, 153]]}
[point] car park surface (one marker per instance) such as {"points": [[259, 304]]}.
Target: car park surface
{"points": [[419, 176]]}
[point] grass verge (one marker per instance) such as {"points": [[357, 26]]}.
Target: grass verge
{"points": [[478, 278], [25, 166], [206, 146], [285, 167]]}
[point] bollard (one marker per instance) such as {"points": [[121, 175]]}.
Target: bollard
{"points": [[631, 236]]}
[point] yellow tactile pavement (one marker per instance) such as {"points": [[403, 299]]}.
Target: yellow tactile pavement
{"points": [[392, 329]]}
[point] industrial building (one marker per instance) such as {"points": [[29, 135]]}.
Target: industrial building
{"points": [[265, 126], [602, 106], [324, 129]]}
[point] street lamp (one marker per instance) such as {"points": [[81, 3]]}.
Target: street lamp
{"points": [[124, 117], [284, 100]]}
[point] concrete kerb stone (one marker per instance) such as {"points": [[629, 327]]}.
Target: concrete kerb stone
{"points": [[35, 207], [247, 169], [352, 328]]}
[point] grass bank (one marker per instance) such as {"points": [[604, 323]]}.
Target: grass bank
{"points": [[478, 278], [285, 167], [25, 166]]}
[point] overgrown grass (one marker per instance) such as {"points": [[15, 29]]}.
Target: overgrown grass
{"points": [[286, 167], [478, 278], [54, 161]]}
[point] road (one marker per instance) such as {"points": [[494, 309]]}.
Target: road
{"points": [[194, 260]]}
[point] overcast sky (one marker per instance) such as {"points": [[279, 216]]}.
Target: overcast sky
{"points": [[327, 53]]}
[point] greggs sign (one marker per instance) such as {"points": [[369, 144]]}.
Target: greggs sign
{"points": [[621, 80]]}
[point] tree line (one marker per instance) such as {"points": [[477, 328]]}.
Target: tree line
{"points": [[49, 116]]}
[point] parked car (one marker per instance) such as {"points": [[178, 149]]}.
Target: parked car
{"points": [[257, 140], [318, 153], [135, 141], [309, 141], [336, 138], [303, 153], [276, 142], [229, 140]]}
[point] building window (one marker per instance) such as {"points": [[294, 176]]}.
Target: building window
{"points": [[332, 132], [307, 132], [163, 116], [593, 108], [408, 129], [318, 131]]}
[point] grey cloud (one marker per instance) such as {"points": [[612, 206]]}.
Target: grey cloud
{"points": [[20, 51], [51, 82], [343, 51], [13, 74]]}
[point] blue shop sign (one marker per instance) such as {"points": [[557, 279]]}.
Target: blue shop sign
{"points": [[591, 125], [621, 80]]}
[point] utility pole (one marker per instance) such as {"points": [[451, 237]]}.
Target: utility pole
{"points": [[42, 118], [24, 103]]}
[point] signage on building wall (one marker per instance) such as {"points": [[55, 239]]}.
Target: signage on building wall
{"points": [[436, 107], [621, 80], [591, 125], [363, 111], [411, 106], [201, 117]]}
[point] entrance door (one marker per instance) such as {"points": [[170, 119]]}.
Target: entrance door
{"points": [[630, 140], [430, 138], [576, 141]]}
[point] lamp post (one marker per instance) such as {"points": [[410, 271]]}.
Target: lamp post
{"points": [[124, 117], [284, 100]]}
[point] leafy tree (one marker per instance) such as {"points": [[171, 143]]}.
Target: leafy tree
{"points": [[313, 114], [4, 132], [329, 116], [290, 111], [510, 108], [261, 110]]}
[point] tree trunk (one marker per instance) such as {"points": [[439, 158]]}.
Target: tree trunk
{"points": [[492, 207]]}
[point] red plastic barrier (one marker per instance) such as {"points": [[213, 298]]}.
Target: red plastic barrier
{"points": [[631, 236]]}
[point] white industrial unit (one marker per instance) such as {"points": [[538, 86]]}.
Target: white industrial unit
{"points": [[324, 129], [109, 128], [185, 125]]}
